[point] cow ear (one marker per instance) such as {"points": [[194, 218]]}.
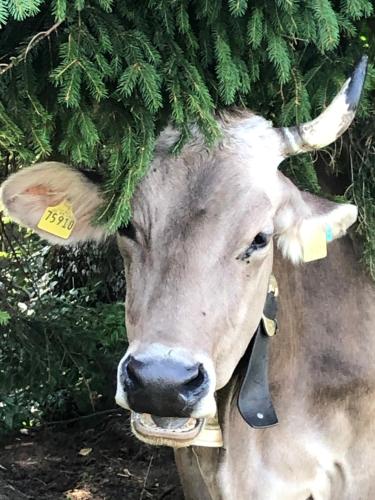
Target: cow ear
{"points": [[305, 223], [29, 194]]}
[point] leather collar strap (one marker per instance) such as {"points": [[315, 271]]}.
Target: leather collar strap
{"points": [[254, 400]]}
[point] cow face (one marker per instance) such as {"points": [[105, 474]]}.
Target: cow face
{"points": [[197, 254]]}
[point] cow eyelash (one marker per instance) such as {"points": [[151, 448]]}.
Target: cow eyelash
{"points": [[260, 241], [128, 231]]}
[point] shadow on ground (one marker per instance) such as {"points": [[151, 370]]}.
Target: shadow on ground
{"points": [[103, 462]]}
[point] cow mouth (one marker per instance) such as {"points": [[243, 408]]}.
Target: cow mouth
{"points": [[168, 431]]}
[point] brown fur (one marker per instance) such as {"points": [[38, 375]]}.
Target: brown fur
{"points": [[189, 294], [322, 374]]}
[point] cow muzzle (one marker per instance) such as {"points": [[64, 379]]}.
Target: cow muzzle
{"points": [[163, 387], [170, 398]]}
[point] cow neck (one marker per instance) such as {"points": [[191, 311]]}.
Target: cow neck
{"points": [[254, 399]]}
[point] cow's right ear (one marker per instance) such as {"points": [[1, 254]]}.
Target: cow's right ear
{"points": [[29, 195]]}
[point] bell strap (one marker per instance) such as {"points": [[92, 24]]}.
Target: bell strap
{"points": [[254, 400]]}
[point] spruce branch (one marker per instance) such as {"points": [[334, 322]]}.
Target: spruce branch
{"points": [[35, 40]]}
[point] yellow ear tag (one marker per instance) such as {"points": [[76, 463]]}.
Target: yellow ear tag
{"points": [[314, 244], [58, 220]]}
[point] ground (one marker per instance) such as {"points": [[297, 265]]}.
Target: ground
{"points": [[102, 461]]}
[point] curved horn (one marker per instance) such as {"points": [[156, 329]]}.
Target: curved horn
{"points": [[334, 120]]}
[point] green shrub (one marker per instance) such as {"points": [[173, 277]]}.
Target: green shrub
{"points": [[59, 344]]}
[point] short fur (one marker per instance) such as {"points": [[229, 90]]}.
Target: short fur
{"points": [[190, 297]]}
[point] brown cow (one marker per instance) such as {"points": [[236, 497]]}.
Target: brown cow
{"points": [[198, 257]]}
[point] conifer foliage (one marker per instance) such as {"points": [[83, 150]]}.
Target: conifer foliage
{"points": [[92, 82]]}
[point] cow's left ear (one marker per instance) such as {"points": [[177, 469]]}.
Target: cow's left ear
{"points": [[305, 223], [54, 200]]}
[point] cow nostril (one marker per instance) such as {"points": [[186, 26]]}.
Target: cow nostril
{"points": [[133, 374], [197, 379]]}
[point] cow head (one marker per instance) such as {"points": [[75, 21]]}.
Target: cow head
{"points": [[198, 251]]}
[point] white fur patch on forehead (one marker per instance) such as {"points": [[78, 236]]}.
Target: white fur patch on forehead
{"points": [[248, 141], [242, 131], [258, 136], [258, 145], [27, 194], [292, 231]]}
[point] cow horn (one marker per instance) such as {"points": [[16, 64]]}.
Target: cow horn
{"points": [[334, 120]]}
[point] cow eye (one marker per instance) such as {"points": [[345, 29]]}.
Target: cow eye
{"points": [[261, 240], [128, 230]]}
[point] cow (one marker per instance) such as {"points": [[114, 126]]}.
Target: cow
{"points": [[199, 257]]}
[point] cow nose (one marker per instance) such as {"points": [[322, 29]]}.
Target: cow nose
{"points": [[163, 387]]}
